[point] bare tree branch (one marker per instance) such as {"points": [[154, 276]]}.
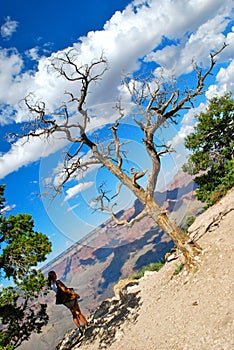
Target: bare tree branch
{"points": [[137, 175], [118, 191], [125, 222], [117, 221], [200, 85], [114, 129]]}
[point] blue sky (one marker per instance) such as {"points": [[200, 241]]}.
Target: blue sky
{"points": [[134, 37]]}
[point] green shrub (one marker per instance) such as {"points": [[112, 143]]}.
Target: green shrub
{"points": [[178, 269], [188, 222], [151, 267]]}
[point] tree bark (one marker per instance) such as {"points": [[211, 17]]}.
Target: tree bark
{"points": [[182, 240]]}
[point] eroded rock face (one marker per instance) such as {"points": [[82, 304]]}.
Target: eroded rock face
{"points": [[106, 324]]}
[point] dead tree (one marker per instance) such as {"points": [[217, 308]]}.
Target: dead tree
{"points": [[157, 104]]}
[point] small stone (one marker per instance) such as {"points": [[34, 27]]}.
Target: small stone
{"points": [[118, 335]]}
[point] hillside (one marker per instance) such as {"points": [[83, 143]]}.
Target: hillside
{"points": [[93, 265], [185, 311]]}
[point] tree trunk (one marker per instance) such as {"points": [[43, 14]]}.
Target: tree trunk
{"points": [[183, 241], [187, 246]]}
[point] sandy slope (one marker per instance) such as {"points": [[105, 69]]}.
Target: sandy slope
{"points": [[188, 311]]}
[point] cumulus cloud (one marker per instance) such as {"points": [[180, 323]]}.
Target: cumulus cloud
{"points": [[224, 77], [15, 85], [73, 191], [186, 28], [125, 38], [25, 151], [177, 59], [8, 28], [224, 82]]}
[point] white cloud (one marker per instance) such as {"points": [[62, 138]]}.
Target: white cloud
{"points": [[196, 27], [73, 191], [224, 78], [33, 53], [15, 85], [126, 37], [177, 142], [178, 58], [8, 28], [187, 126], [7, 208], [224, 82], [24, 152], [73, 207]]}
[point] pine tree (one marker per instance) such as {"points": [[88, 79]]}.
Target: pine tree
{"points": [[212, 144], [22, 249]]}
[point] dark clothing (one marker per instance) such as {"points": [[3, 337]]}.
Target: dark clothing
{"points": [[70, 304], [64, 295]]}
